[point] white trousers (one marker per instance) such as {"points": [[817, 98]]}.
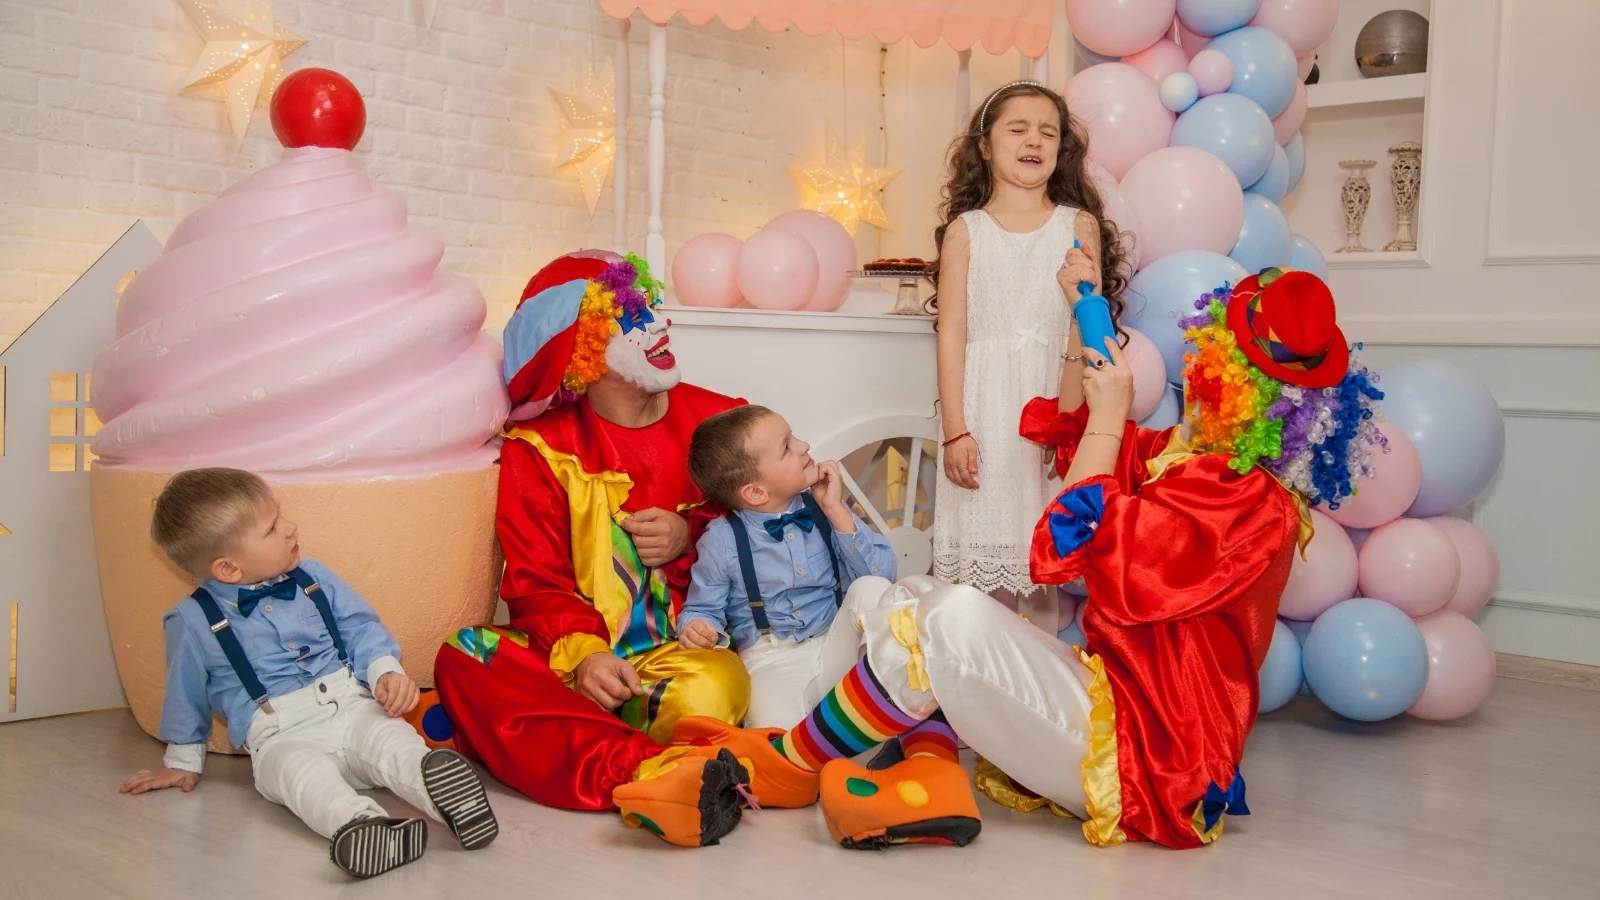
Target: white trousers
{"points": [[324, 742], [1015, 694], [788, 678]]}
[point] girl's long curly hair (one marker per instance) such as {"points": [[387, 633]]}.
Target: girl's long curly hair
{"points": [[971, 186]]}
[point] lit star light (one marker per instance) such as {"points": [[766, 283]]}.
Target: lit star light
{"points": [[244, 54], [846, 188], [588, 129]]}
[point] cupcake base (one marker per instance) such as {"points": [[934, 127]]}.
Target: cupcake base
{"points": [[421, 550]]}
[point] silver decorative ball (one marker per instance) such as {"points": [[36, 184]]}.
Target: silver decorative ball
{"points": [[1393, 43]]}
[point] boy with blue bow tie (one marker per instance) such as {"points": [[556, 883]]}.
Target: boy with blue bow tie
{"points": [[284, 650], [772, 575]]}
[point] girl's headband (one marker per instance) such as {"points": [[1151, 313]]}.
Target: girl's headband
{"points": [[983, 114]]}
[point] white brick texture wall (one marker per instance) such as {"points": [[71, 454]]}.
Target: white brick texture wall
{"points": [[95, 132]]}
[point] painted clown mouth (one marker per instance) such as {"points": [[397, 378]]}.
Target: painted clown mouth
{"points": [[660, 356]]}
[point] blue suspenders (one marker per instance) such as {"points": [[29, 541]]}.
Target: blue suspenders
{"points": [[747, 565], [234, 651]]}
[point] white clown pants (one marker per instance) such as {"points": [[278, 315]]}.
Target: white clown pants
{"points": [[327, 740]]}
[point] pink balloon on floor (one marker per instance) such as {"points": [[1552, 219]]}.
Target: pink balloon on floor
{"points": [[777, 270], [1212, 70], [1410, 564], [836, 254], [703, 271], [1160, 59], [1118, 211], [1325, 576], [1391, 491], [1120, 107], [1480, 564], [1305, 24], [1120, 27], [1460, 667], [1186, 199], [1149, 374], [1288, 122]]}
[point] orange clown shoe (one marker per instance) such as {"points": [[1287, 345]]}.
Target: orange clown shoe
{"points": [[687, 799], [923, 800], [774, 780]]}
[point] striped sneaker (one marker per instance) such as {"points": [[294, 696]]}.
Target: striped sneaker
{"points": [[455, 788], [370, 845]]}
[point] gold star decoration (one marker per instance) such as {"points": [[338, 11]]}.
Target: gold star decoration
{"points": [[846, 188], [244, 54], [588, 128]]}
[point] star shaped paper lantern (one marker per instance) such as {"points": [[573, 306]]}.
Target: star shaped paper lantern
{"points": [[846, 188], [588, 129], [244, 54]]}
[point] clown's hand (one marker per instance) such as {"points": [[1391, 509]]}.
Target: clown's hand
{"points": [[658, 535]]}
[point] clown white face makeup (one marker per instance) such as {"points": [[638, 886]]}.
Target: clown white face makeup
{"points": [[642, 357]]}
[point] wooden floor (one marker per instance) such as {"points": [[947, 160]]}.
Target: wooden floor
{"points": [[1503, 805]]}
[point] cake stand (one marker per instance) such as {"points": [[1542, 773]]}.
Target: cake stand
{"points": [[907, 301]]}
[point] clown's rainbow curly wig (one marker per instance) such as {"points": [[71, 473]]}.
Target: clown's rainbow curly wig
{"points": [[618, 295], [1316, 441]]}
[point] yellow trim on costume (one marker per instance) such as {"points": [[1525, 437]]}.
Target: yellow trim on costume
{"points": [[1102, 783], [573, 649], [999, 787], [592, 502], [1198, 823], [1308, 529], [903, 625]]}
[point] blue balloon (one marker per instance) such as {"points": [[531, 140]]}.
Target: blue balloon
{"points": [[1455, 424], [1209, 18], [1073, 635], [1275, 184], [1300, 630], [1280, 671], [1165, 291], [1166, 414], [1264, 67], [1305, 256], [1179, 91], [1366, 660], [1233, 129], [1264, 238], [1295, 150]]}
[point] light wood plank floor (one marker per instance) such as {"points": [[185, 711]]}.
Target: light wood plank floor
{"points": [[1503, 805]]}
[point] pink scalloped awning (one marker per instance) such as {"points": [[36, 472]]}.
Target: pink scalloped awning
{"points": [[998, 25]]}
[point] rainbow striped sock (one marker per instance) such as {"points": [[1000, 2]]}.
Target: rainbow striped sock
{"points": [[856, 716], [931, 737]]}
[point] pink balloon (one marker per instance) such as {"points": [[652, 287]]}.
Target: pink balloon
{"points": [[1305, 24], [1460, 667], [1325, 576], [1382, 498], [836, 254], [1186, 200], [1119, 212], [1190, 42], [1411, 565], [703, 271], [1480, 564], [1304, 65], [777, 270], [1120, 27], [1120, 107], [1212, 70], [1160, 59], [1289, 121], [1149, 374]]}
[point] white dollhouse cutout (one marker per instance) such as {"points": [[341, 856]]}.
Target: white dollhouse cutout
{"points": [[58, 654]]}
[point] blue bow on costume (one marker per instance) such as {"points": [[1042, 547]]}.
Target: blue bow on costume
{"points": [[800, 517], [1219, 801], [1086, 505], [250, 597]]}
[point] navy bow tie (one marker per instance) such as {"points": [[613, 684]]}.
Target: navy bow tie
{"points": [[249, 597], [800, 517]]}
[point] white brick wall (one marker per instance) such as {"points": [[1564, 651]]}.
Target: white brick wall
{"points": [[94, 132]]}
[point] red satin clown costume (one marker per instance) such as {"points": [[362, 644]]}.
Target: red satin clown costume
{"points": [[573, 580]]}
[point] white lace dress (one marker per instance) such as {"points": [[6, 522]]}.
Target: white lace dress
{"points": [[1017, 325]]}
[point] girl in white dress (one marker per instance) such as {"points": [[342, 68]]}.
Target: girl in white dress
{"points": [[1006, 275]]}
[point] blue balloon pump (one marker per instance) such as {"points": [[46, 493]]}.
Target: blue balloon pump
{"points": [[1094, 316]]}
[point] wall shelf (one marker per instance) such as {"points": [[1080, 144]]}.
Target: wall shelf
{"points": [[1368, 91], [1377, 259]]}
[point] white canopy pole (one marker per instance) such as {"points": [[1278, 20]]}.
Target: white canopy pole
{"points": [[655, 245], [619, 165], [963, 89], [1041, 68]]}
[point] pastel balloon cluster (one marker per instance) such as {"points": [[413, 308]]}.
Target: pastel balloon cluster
{"points": [[1375, 617], [800, 260], [1193, 110]]}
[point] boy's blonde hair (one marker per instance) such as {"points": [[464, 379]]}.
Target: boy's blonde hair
{"points": [[201, 514], [719, 464]]}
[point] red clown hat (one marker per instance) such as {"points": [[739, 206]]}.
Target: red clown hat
{"points": [[1285, 323]]}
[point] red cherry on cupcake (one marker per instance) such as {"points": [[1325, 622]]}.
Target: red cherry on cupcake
{"points": [[318, 108]]}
